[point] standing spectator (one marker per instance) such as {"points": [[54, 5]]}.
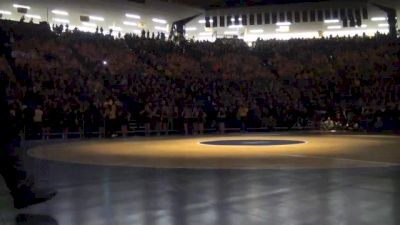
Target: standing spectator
{"points": [[378, 125], [172, 115], [201, 120], [146, 115], [195, 120], [187, 116], [221, 117], [243, 112], [164, 118], [124, 116], [38, 121], [157, 118]]}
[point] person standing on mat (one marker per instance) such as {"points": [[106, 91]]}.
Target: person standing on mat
{"points": [[21, 189]]}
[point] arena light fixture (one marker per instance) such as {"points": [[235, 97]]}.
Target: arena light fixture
{"points": [[190, 28], [283, 23], [378, 19], [96, 18], [60, 12], [231, 32], [205, 33], [137, 31], [156, 20], [86, 29], [21, 6], [331, 21], [161, 28], [89, 24], [334, 27], [257, 31], [283, 29], [204, 21], [133, 16], [364, 26], [33, 16], [115, 28], [4, 12], [235, 26], [128, 23], [353, 32], [61, 20], [383, 25]]}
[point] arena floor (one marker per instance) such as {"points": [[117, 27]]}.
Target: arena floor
{"points": [[249, 151], [274, 178]]}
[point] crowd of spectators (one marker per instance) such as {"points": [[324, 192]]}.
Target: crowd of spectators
{"points": [[72, 81]]}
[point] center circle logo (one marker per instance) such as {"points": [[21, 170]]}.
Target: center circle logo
{"points": [[251, 142]]}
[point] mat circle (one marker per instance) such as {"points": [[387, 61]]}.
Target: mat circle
{"points": [[251, 142]]}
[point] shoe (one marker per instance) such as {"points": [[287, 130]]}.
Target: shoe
{"points": [[32, 197]]}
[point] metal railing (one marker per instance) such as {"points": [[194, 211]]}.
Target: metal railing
{"points": [[135, 128]]}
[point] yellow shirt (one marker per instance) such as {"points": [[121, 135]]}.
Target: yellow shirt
{"points": [[243, 111]]}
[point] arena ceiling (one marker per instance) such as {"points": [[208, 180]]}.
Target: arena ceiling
{"points": [[237, 3], [241, 3]]}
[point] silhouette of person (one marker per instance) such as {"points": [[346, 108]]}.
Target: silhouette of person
{"points": [[22, 190]]}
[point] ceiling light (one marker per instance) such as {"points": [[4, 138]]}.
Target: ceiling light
{"points": [[89, 24], [383, 25], [133, 16], [96, 18], [60, 12], [235, 26], [161, 28], [155, 20], [334, 27], [33, 16], [128, 23], [204, 21], [257, 31], [61, 20], [205, 33], [114, 28], [3, 12], [86, 29], [332, 21], [378, 18], [283, 29], [190, 28], [21, 6], [230, 32], [283, 23]]}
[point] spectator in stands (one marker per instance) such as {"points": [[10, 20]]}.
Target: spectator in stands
{"points": [[378, 125], [221, 119], [187, 115], [147, 114], [329, 76], [243, 111]]}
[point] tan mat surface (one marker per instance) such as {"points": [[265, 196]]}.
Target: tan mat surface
{"points": [[318, 151]]}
